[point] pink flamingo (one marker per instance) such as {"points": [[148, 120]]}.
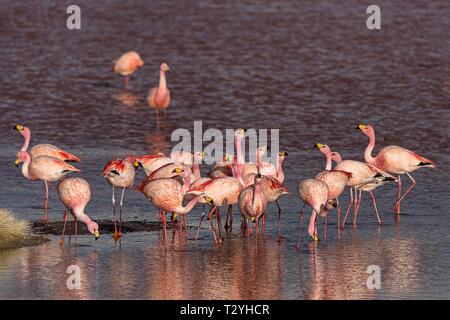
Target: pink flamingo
{"points": [[153, 162], [159, 97], [253, 203], [396, 160], [222, 169], [167, 195], [45, 168], [44, 149], [120, 173], [222, 191], [365, 177], [127, 64], [314, 192], [336, 180], [75, 194]]}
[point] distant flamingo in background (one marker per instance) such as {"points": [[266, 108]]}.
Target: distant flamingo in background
{"points": [[253, 203], [159, 97], [365, 177], [75, 194], [127, 64], [44, 149], [314, 192], [396, 160], [45, 168], [336, 180], [120, 173]]}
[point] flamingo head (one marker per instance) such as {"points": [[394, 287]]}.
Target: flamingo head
{"points": [[325, 149], [164, 67], [335, 156], [258, 178], [24, 131], [240, 133], [331, 203], [21, 156], [366, 129], [228, 158], [93, 228], [207, 199]]}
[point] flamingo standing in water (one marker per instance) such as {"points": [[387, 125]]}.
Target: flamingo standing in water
{"points": [[159, 97], [120, 173], [167, 195], [45, 168], [127, 64], [44, 149], [365, 177], [153, 162], [314, 192], [75, 194], [396, 160], [336, 180], [253, 202]]}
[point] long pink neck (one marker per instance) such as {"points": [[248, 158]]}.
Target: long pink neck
{"points": [[280, 174], [368, 152], [81, 216], [259, 163], [162, 80], [26, 143], [188, 207], [25, 168], [239, 155], [328, 156], [337, 158], [196, 170], [186, 180], [237, 174], [256, 191]]}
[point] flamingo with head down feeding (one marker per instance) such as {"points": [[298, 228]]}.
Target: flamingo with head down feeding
{"points": [[75, 194], [127, 64], [365, 177], [120, 173], [44, 149], [153, 162], [314, 192], [45, 168], [159, 97], [396, 160]]}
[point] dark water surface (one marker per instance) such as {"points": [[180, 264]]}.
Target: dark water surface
{"points": [[310, 68]]}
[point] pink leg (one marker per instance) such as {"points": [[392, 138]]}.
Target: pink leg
{"points": [[185, 226], [279, 220], [219, 224], [45, 217], [375, 206], [357, 203], [338, 217], [406, 192], [229, 223], [164, 220], [300, 225], [120, 211], [200, 223], [325, 227], [210, 216], [399, 192], [350, 202], [61, 242]]}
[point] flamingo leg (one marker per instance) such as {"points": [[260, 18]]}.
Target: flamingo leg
{"points": [[185, 226], [338, 215], [406, 192], [325, 227], [350, 202], [300, 225], [61, 242], [75, 223], [264, 217], [126, 82], [210, 217], [375, 206], [120, 212], [229, 221], [357, 204], [200, 223], [164, 220], [399, 193], [219, 224], [45, 217], [114, 210], [279, 220]]}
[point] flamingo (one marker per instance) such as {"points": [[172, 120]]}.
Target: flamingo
{"points": [[253, 203], [336, 180], [45, 168], [224, 190], [167, 195], [44, 149], [191, 160], [127, 64], [314, 192], [120, 173], [365, 177], [153, 162], [222, 169], [396, 160], [75, 194], [159, 97]]}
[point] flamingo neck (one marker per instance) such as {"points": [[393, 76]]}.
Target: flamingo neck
{"points": [[26, 143], [259, 162], [280, 174], [25, 168], [328, 165], [368, 152], [338, 158], [186, 182], [162, 80], [189, 206], [196, 170], [256, 192], [81, 216], [239, 155]]}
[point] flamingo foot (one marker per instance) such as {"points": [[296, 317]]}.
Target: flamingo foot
{"points": [[397, 208], [45, 217], [117, 235], [315, 238]]}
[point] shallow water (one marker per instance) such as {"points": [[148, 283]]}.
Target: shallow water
{"points": [[311, 69]]}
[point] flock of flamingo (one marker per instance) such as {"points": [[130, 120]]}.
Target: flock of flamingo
{"points": [[174, 183]]}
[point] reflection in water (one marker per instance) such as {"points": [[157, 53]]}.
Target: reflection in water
{"points": [[127, 98]]}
